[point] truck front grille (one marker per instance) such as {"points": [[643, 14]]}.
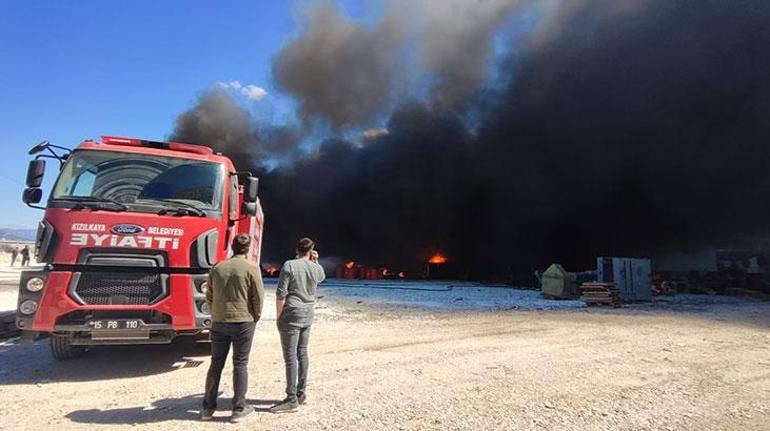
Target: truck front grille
{"points": [[124, 288]]}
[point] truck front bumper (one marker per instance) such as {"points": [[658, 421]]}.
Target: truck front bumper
{"points": [[183, 304]]}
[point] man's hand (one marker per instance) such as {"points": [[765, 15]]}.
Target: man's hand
{"points": [[313, 256], [278, 309]]}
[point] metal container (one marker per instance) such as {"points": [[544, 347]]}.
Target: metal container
{"points": [[347, 273], [632, 276], [368, 273], [557, 282]]}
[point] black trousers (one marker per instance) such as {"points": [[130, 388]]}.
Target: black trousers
{"points": [[222, 336]]}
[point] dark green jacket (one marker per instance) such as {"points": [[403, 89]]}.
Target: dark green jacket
{"points": [[235, 292]]}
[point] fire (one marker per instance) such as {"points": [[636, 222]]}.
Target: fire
{"points": [[401, 274], [350, 265], [271, 269], [438, 259]]}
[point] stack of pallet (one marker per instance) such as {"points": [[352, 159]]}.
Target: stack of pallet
{"points": [[601, 294]]}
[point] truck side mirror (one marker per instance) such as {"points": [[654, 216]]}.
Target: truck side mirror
{"points": [[35, 172], [39, 147], [250, 208], [32, 195], [250, 189]]}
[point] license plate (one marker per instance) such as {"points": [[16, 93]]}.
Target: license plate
{"points": [[115, 324]]}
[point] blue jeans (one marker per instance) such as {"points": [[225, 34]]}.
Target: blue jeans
{"points": [[294, 327]]}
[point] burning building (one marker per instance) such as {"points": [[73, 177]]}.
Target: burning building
{"points": [[270, 269], [435, 264], [348, 271]]}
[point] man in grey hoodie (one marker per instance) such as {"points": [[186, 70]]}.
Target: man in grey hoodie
{"points": [[295, 302]]}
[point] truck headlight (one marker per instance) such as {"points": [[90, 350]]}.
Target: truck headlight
{"points": [[204, 286], [28, 307], [35, 284], [205, 308]]}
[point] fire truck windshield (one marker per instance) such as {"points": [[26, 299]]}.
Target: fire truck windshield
{"points": [[140, 182]]}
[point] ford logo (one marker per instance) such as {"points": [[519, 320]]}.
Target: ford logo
{"points": [[127, 229]]}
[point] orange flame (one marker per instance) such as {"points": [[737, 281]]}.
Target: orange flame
{"points": [[271, 269], [401, 274], [349, 265], [438, 259]]}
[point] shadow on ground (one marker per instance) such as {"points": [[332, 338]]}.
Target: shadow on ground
{"points": [[23, 363], [168, 409]]}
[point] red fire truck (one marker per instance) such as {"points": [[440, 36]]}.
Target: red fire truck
{"points": [[131, 229]]}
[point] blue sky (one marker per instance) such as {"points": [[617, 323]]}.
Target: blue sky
{"points": [[76, 70]]}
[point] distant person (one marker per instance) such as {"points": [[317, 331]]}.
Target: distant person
{"points": [[295, 302], [235, 296], [25, 256], [14, 255]]}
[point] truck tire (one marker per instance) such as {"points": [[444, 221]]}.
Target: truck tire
{"points": [[62, 348]]}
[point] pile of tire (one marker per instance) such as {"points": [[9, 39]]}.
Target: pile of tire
{"points": [[8, 327]]}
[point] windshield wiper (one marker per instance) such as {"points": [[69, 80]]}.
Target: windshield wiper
{"points": [[178, 206], [89, 201]]}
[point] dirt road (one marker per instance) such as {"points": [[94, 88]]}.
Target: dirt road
{"points": [[706, 367]]}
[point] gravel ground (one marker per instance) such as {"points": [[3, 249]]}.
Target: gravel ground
{"points": [[419, 358], [432, 295]]}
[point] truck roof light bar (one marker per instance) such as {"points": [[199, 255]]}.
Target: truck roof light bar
{"points": [[174, 146]]}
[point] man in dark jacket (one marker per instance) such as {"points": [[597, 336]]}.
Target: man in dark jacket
{"points": [[234, 295], [295, 302], [25, 256], [14, 254]]}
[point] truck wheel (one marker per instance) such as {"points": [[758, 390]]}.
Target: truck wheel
{"points": [[62, 348]]}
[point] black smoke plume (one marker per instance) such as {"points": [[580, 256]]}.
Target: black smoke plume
{"points": [[348, 74], [219, 122], [613, 128]]}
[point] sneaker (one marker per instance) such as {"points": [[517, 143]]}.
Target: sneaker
{"points": [[301, 398], [286, 406], [207, 414], [240, 414]]}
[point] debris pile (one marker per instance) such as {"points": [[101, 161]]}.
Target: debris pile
{"points": [[664, 287]]}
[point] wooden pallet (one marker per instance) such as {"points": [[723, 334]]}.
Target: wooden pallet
{"points": [[598, 294]]}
